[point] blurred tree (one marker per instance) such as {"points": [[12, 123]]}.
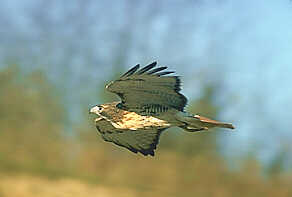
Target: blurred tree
{"points": [[31, 118], [277, 165]]}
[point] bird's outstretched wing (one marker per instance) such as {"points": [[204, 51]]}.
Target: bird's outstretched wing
{"points": [[148, 90], [142, 140]]}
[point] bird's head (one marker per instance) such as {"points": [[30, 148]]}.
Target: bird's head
{"points": [[97, 109]]}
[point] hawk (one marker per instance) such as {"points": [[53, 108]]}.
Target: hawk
{"points": [[150, 103]]}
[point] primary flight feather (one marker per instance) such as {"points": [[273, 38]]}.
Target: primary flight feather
{"points": [[150, 103]]}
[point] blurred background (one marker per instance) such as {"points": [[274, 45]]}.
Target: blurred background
{"points": [[235, 61]]}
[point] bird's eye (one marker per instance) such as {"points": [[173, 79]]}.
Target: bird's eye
{"points": [[96, 109]]}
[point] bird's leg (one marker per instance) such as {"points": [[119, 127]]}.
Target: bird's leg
{"points": [[192, 129]]}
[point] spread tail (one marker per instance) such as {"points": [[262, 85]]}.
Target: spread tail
{"points": [[194, 123]]}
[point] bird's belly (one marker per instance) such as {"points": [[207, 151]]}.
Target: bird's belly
{"points": [[134, 121]]}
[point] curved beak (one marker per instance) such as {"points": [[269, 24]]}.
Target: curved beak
{"points": [[94, 110]]}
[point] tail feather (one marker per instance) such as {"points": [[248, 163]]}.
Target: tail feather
{"points": [[194, 123], [213, 123]]}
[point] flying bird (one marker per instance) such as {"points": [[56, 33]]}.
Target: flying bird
{"points": [[150, 102]]}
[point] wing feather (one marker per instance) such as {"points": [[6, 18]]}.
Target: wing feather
{"points": [[157, 70], [131, 71], [143, 140], [164, 73], [141, 89], [146, 68]]}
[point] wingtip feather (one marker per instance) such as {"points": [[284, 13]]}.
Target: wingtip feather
{"points": [[164, 73], [146, 68], [131, 71], [156, 70]]}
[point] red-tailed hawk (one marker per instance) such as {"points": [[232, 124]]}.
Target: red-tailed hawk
{"points": [[150, 103]]}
